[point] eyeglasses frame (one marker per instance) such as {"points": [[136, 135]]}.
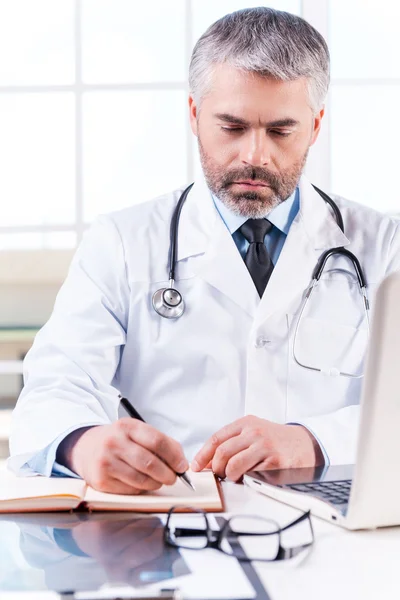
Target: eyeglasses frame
{"points": [[215, 538]]}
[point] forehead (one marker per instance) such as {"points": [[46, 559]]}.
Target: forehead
{"points": [[247, 95]]}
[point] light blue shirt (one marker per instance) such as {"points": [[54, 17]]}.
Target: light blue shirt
{"points": [[281, 217]]}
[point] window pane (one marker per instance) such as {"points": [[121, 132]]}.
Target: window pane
{"points": [[37, 159], [364, 38], [36, 42], [127, 42], [134, 147], [365, 155], [205, 12], [37, 241]]}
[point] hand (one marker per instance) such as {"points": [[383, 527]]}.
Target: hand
{"points": [[252, 443], [123, 458]]}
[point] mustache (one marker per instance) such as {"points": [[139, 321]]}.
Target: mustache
{"points": [[254, 173]]}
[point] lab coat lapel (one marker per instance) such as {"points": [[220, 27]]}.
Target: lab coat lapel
{"points": [[313, 231], [215, 258]]}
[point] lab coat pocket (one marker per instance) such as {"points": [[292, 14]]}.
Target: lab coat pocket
{"points": [[330, 347]]}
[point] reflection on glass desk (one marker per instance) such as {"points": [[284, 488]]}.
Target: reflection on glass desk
{"points": [[80, 551]]}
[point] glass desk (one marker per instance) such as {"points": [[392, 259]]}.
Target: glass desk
{"points": [[83, 551]]}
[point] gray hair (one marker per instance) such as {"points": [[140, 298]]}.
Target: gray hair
{"points": [[271, 43]]}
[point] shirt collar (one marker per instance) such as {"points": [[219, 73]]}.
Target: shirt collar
{"points": [[281, 216]]}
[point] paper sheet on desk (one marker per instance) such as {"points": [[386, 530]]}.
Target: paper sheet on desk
{"points": [[214, 575]]}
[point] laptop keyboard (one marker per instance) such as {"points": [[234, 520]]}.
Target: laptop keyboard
{"points": [[335, 492]]}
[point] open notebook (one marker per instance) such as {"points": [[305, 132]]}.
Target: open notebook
{"points": [[36, 494]]}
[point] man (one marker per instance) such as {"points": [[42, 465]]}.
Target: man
{"points": [[222, 384]]}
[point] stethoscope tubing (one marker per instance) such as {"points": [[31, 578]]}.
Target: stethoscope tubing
{"points": [[161, 300], [173, 247]]}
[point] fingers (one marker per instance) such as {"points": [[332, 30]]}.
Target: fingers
{"points": [[148, 464], [121, 478], [132, 476], [226, 451], [206, 454], [128, 457], [244, 461], [159, 444], [111, 485]]}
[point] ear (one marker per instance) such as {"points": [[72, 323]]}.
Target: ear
{"points": [[317, 125], [193, 115]]}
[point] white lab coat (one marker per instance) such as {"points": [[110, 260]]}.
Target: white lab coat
{"points": [[230, 353]]}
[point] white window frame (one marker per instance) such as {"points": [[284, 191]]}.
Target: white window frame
{"points": [[79, 88], [50, 268]]}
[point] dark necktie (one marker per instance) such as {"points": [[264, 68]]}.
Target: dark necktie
{"points": [[257, 259]]}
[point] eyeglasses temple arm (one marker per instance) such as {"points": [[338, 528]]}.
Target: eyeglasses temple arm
{"points": [[187, 532]]}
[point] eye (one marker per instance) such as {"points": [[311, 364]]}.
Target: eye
{"points": [[280, 133], [232, 129]]}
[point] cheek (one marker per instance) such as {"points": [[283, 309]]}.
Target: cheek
{"points": [[302, 142], [292, 151], [219, 149]]}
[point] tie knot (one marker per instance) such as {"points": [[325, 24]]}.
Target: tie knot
{"points": [[255, 230]]}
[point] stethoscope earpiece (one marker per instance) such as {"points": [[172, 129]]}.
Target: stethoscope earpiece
{"points": [[168, 303]]}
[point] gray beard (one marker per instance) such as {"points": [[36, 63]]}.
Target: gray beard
{"points": [[250, 205]]}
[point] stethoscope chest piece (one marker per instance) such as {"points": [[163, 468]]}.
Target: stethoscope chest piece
{"points": [[168, 303]]}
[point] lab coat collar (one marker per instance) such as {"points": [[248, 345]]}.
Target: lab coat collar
{"points": [[199, 217], [317, 220], [197, 221], [205, 241], [313, 231], [203, 234]]}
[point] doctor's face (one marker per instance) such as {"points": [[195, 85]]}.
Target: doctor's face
{"points": [[254, 135]]}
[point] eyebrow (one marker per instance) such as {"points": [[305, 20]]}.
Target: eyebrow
{"points": [[227, 118]]}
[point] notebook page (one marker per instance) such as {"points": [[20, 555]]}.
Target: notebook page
{"points": [[15, 488], [206, 496]]}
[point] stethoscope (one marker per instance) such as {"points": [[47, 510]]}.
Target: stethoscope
{"points": [[168, 302]]}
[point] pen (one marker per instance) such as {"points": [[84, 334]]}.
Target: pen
{"points": [[132, 412]]}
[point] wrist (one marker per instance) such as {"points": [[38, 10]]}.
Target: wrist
{"points": [[68, 451], [316, 452]]}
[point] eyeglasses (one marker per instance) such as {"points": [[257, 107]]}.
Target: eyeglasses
{"points": [[246, 537]]}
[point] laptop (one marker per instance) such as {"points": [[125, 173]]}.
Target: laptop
{"points": [[367, 494]]}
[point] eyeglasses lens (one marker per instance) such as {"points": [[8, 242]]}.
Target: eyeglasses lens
{"points": [[242, 543], [188, 531], [297, 536]]}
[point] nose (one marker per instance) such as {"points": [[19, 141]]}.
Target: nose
{"points": [[255, 149]]}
